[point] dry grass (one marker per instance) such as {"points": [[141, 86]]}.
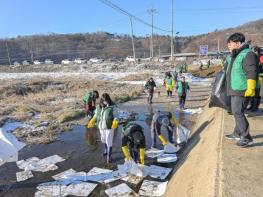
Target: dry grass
{"points": [[142, 77], [70, 115], [49, 102]]}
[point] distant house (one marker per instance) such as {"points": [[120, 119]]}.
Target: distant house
{"points": [[25, 63], [95, 60], [79, 61], [16, 63], [49, 61], [36, 62], [66, 61], [130, 59]]}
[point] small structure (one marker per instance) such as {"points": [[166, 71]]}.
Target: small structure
{"points": [[80, 61], [49, 61], [25, 63], [36, 62], [66, 62]]}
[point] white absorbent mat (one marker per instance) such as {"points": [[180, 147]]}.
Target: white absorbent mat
{"points": [[121, 190], [152, 188], [167, 158]]}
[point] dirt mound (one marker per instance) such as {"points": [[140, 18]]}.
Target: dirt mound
{"points": [[206, 72]]}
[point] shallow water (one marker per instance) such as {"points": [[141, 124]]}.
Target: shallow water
{"points": [[82, 150]]}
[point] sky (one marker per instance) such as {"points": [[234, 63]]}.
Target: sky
{"points": [[192, 17]]}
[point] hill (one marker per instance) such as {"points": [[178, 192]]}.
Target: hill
{"points": [[252, 30], [106, 45]]}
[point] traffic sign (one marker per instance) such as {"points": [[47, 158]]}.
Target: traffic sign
{"points": [[203, 50]]}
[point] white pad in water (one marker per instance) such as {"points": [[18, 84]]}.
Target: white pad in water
{"points": [[121, 190], [153, 188], [159, 172], [167, 158], [154, 152], [170, 148]]}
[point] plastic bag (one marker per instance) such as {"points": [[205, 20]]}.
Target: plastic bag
{"points": [[182, 134], [130, 167], [219, 96], [9, 147]]}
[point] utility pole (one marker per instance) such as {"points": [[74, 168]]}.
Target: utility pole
{"points": [[172, 33], [133, 47], [218, 45], [152, 12], [31, 52], [7, 51]]}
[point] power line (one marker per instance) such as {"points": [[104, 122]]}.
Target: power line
{"points": [[7, 51], [117, 8], [214, 9]]}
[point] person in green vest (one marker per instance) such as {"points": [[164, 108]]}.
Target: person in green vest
{"points": [[133, 142], [201, 65], [255, 100], [241, 75], [208, 63], [169, 84], [182, 88], [89, 101], [105, 121]]}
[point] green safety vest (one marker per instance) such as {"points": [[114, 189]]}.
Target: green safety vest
{"points": [[169, 81], [104, 114], [127, 128], [87, 98], [238, 74], [181, 89]]}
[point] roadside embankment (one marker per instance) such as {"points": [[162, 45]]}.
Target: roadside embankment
{"points": [[194, 174], [212, 165]]}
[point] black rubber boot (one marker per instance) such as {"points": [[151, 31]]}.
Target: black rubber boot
{"points": [[109, 155], [105, 150]]}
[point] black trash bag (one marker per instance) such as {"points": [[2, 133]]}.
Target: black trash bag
{"points": [[219, 96]]}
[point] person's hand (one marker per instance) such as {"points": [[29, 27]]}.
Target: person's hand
{"points": [[251, 85], [126, 153], [92, 122], [142, 153], [115, 124]]}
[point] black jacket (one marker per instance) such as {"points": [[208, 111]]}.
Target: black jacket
{"points": [[150, 85], [128, 137], [249, 65]]}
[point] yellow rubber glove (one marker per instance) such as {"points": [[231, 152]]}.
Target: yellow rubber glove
{"points": [[251, 86], [142, 153], [114, 124], [92, 122], [261, 80], [173, 120], [163, 139], [126, 152]]}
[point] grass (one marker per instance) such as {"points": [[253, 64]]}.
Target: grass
{"points": [[71, 115], [127, 97], [49, 103]]}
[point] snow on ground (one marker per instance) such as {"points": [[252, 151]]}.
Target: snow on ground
{"points": [[95, 75]]}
